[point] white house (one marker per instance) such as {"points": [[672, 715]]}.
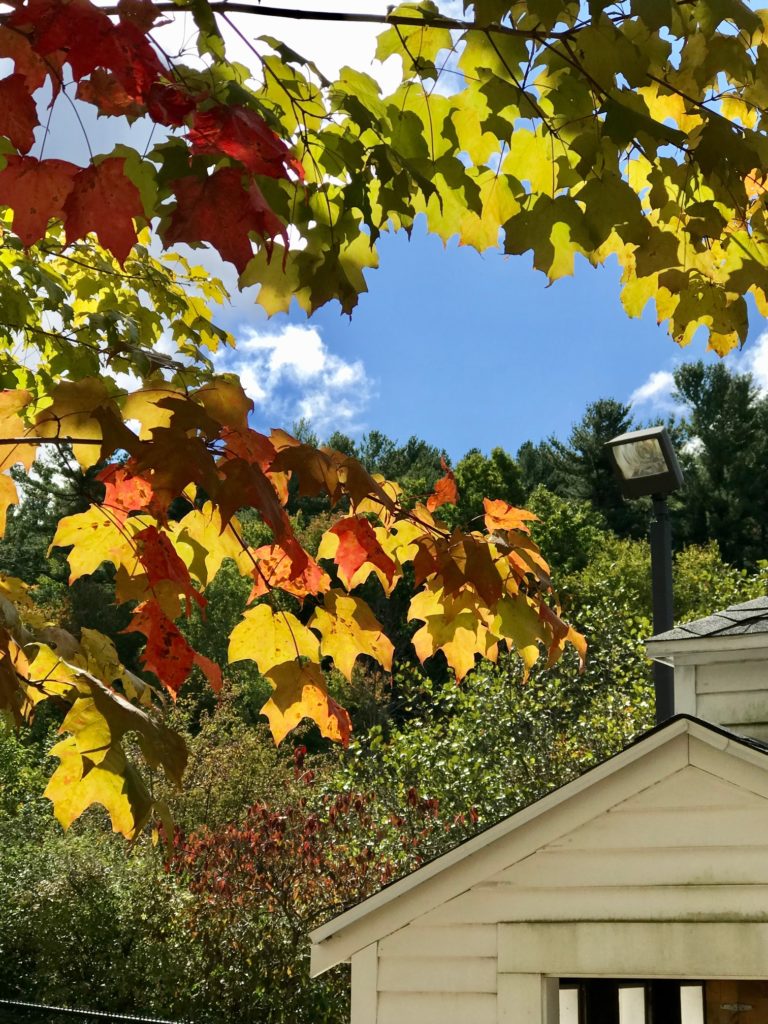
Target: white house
{"points": [[636, 893]]}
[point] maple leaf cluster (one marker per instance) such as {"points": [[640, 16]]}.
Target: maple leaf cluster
{"points": [[116, 67], [475, 592]]}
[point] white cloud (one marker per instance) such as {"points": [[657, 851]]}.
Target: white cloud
{"points": [[290, 373], [656, 393], [754, 359]]}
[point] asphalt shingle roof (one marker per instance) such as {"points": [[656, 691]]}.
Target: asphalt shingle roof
{"points": [[738, 620]]}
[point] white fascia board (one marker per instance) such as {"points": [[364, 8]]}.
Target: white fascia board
{"points": [[701, 649]]}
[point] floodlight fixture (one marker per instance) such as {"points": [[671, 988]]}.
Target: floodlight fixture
{"points": [[644, 462]]}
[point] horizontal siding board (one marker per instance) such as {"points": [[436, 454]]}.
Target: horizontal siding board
{"points": [[499, 903], [639, 949], [682, 866], [646, 829], [733, 706], [436, 1008], [468, 940], [435, 974], [731, 677]]}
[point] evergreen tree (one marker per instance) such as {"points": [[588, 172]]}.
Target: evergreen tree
{"points": [[725, 459]]}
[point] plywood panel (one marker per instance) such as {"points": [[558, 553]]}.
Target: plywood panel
{"points": [[500, 903], [552, 868], [467, 940], [434, 1008], [435, 974]]}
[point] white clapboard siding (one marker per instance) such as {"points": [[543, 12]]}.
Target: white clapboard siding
{"points": [[500, 903], [467, 974], [436, 1008], [680, 866], [689, 847], [468, 940]]}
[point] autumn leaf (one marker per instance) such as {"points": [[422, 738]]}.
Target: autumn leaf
{"points": [[163, 565], [219, 209], [300, 691], [104, 200], [18, 112], [203, 541], [36, 191], [167, 654], [27, 64], [242, 134], [226, 402], [445, 492], [349, 628], [453, 625], [106, 92], [114, 784], [357, 546], [270, 638], [13, 426], [96, 537], [124, 492], [82, 410], [499, 515], [274, 567]]}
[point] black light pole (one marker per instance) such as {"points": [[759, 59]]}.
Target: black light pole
{"points": [[645, 464], [663, 610]]}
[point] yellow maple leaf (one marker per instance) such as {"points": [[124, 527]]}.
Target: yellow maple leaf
{"points": [[270, 638], [202, 543], [97, 537], [348, 629], [301, 692], [77, 784], [452, 624]]}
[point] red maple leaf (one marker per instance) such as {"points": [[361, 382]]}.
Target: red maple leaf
{"points": [[243, 135], [125, 492], [105, 91], [87, 39], [105, 201], [18, 112], [129, 54], [169, 104], [161, 563], [221, 211], [358, 544], [277, 569], [167, 654], [142, 13], [76, 27], [36, 190], [15, 46], [445, 492]]}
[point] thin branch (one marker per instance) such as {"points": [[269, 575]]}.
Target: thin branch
{"points": [[297, 14], [34, 439]]}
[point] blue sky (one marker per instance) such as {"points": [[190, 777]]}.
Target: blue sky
{"points": [[460, 349], [465, 351]]}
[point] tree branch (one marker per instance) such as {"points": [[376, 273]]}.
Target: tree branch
{"points": [[353, 17], [34, 439]]}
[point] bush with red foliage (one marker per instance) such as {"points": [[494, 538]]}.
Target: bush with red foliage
{"points": [[261, 885]]}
